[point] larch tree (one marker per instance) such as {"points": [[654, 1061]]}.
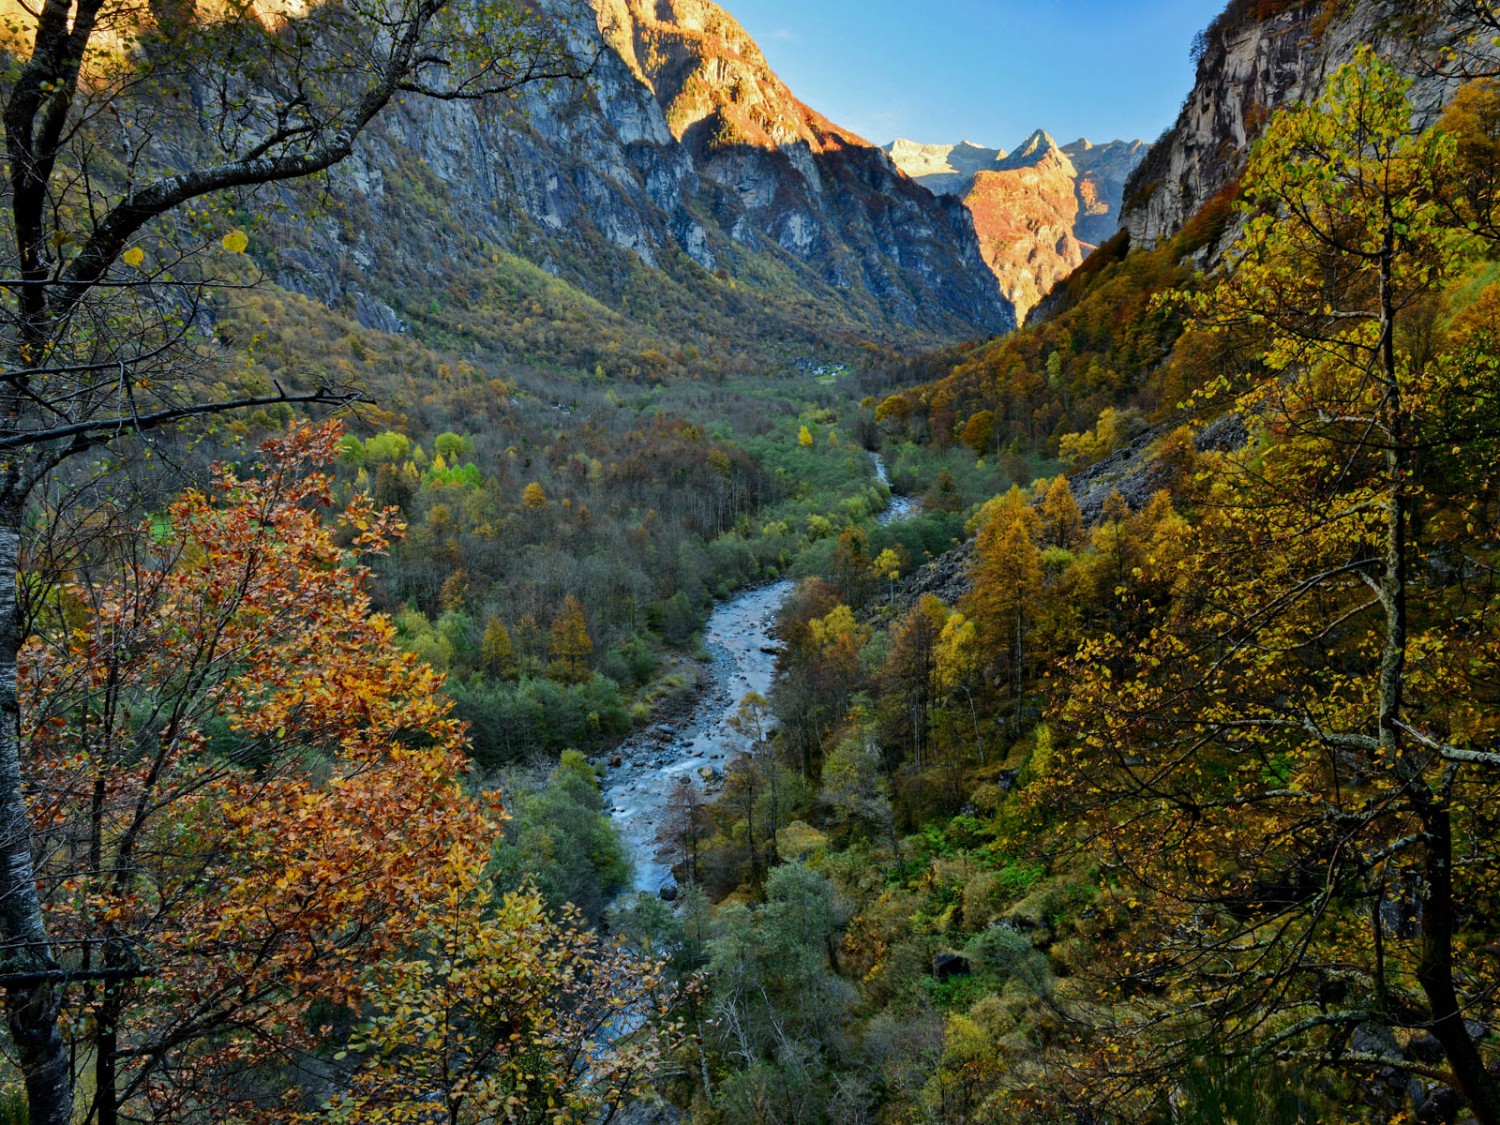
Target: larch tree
{"points": [[497, 651], [1292, 774], [1062, 522], [127, 127], [1008, 586], [571, 646]]}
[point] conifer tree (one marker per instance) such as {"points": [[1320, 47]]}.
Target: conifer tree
{"points": [[571, 645]]}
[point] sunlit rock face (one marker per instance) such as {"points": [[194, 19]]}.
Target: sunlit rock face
{"points": [[780, 174], [1038, 210]]}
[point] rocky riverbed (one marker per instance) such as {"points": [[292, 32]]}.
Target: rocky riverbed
{"points": [[652, 763]]}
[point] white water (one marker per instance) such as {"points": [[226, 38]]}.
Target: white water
{"points": [[653, 763], [738, 637], [901, 507]]}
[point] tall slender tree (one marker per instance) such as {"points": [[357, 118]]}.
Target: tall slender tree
{"points": [[1294, 772]]}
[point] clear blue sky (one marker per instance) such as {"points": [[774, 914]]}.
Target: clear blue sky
{"points": [[989, 71]]}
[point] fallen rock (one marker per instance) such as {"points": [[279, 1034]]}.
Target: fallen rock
{"points": [[1440, 1108]]}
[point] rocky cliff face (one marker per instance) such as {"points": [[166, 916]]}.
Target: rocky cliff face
{"points": [[1038, 211], [1254, 59], [685, 155], [1026, 209], [1102, 172]]}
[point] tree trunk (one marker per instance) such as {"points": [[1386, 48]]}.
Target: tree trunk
{"points": [[107, 1056], [1435, 973], [31, 1008], [1439, 920]]}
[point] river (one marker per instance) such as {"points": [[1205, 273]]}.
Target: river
{"points": [[653, 763]]}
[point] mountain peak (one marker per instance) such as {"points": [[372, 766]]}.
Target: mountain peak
{"points": [[1037, 211], [1038, 141], [1033, 149], [711, 78]]}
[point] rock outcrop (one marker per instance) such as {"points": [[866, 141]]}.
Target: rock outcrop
{"points": [[1257, 58], [1038, 211]]}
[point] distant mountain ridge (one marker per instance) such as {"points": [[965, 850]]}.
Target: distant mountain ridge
{"points": [[1038, 210]]}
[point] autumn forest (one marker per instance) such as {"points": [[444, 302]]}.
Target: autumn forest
{"points": [[543, 583]]}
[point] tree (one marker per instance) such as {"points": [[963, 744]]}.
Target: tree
{"points": [[956, 665], [497, 651], [534, 497], [979, 432], [1062, 522], [571, 646], [1472, 195], [247, 795], [855, 788], [778, 1001], [1004, 602], [906, 677], [887, 565], [108, 226], [750, 723], [1294, 769], [559, 839], [504, 1014], [849, 567], [684, 824]]}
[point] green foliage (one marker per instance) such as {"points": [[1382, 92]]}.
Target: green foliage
{"points": [[1009, 954], [451, 446], [509, 722], [560, 838], [386, 447], [777, 996]]}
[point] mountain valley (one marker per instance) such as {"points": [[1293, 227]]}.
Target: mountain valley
{"points": [[544, 580]]}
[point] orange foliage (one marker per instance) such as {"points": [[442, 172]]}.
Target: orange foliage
{"points": [[245, 795]]}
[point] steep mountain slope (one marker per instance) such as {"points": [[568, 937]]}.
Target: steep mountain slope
{"points": [[1038, 210], [1254, 59], [684, 198]]}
